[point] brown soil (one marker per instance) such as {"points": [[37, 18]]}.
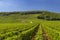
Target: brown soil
{"points": [[45, 35]]}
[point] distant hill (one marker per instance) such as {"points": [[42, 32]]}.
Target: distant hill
{"points": [[42, 14]]}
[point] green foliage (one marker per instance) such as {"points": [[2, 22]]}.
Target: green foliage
{"points": [[52, 28], [23, 25]]}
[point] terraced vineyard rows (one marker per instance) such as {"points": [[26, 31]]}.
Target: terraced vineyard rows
{"points": [[41, 34], [46, 30], [14, 33], [52, 29], [28, 28], [45, 35]]}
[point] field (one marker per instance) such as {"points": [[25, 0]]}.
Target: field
{"points": [[52, 28], [28, 27]]}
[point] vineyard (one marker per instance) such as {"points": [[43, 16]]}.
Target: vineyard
{"points": [[28, 27], [52, 28], [16, 33]]}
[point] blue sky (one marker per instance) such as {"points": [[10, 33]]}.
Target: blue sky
{"points": [[26, 5]]}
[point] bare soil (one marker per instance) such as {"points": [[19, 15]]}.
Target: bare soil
{"points": [[45, 35]]}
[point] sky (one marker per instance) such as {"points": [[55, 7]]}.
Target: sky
{"points": [[28, 5]]}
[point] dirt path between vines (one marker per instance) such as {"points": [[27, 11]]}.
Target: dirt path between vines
{"points": [[45, 35], [33, 35]]}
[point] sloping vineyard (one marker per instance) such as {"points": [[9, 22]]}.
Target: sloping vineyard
{"points": [[45, 30], [15, 31], [52, 29]]}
